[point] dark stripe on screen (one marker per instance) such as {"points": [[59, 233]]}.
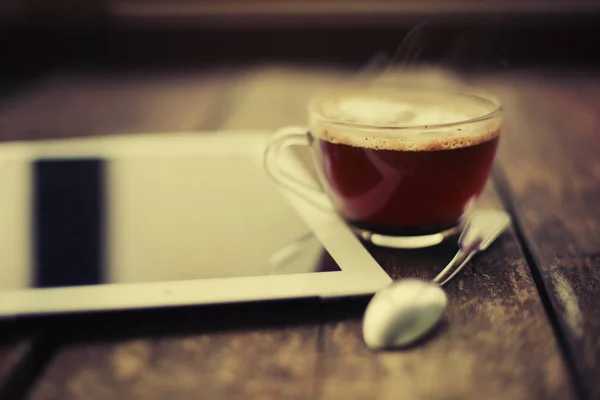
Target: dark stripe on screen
{"points": [[68, 218]]}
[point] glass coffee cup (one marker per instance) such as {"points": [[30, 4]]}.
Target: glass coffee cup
{"points": [[402, 167]]}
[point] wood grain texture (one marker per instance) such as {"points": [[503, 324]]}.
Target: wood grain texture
{"points": [[12, 353], [259, 363], [551, 166], [484, 350], [94, 103], [24, 348], [253, 105], [496, 342], [264, 351], [272, 96], [74, 104]]}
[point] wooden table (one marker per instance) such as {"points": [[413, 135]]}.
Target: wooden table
{"points": [[523, 321]]}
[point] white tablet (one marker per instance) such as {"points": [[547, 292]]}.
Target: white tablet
{"points": [[161, 220]]}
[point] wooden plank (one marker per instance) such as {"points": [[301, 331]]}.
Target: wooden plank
{"points": [[254, 106], [74, 104], [495, 343], [10, 354], [484, 350], [275, 361], [247, 351], [24, 349], [273, 96], [13, 352], [550, 165]]}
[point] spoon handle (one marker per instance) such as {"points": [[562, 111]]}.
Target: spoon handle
{"points": [[461, 259], [481, 230]]}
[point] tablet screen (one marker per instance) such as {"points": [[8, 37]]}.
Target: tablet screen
{"points": [[147, 218]]}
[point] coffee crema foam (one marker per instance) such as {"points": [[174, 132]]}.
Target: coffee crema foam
{"points": [[406, 121]]}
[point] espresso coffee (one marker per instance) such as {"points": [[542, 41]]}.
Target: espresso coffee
{"points": [[406, 163]]}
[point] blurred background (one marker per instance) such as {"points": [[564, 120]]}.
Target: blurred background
{"points": [[41, 34], [83, 67]]}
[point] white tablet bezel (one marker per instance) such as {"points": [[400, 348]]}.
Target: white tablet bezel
{"points": [[360, 274]]}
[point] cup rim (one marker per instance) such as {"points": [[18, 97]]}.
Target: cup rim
{"points": [[479, 95]]}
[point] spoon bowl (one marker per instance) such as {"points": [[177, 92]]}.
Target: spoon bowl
{"points": [[408, 309], [417, 305]]}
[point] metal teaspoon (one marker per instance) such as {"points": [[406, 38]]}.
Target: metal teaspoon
{"points": [[408, 309]]}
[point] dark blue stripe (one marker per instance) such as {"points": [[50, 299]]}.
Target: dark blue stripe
{"points": [[68, 215]]}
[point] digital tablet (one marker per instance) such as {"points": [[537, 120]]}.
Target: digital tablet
{"points": [[162, 220]]}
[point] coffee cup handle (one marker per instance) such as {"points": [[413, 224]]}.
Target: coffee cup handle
{"points": [[292, 136]]}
